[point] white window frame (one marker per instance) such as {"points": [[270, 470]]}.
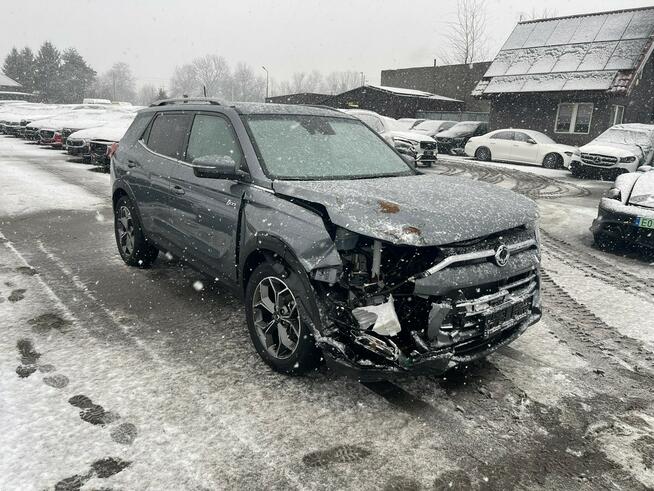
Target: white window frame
{"points": [[614, 113], [573, 118]]}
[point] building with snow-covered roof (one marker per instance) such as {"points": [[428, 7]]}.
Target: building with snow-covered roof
{"points": [[573, 77], [10, 90], [395, 102]]}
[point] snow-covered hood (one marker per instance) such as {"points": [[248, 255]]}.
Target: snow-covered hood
{"points": [[642, 193], [618, 150], [411, 135], [417, 210], [107, 132]]}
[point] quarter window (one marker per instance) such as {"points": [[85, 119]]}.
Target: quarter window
{"points": [[574, 117], [212, 137], [168, 134], [617, 114]]}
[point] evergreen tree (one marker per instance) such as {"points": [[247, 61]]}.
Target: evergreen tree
{"points": [[11, 66], [47, 72], [26, 69], [76, 77]]}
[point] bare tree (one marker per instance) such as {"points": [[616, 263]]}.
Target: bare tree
{"points": [[337, 82], [467, 34], [212, 73], [246, 85], [184, 82], [147, 94], [117, 84]]}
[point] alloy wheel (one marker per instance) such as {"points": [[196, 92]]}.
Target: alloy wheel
{"points": [[276, 317], [125, 226]]}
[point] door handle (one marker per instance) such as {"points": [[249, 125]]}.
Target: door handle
{"points": [[178, 190], [131, 164]]}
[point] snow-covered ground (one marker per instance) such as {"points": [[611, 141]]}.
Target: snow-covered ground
{"points": [[116, 378]]}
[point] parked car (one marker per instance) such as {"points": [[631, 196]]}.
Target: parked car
{"points": [[17, 117], [56, 130], [339, 248], [408, 123], [622, 148], [93, 143], [454, 140], [626, 212], [524, 146], [431, 127], [420, 147]]}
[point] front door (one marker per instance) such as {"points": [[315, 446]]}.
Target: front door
{"points": [[525, 148], [206, 210]]}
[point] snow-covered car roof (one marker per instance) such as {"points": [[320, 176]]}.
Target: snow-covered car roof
{"points": [[112, 131], [80, 118]]}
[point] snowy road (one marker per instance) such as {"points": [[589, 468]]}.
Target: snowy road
{"points": [[117, 378]]}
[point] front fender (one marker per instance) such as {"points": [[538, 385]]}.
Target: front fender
{"points": [[274, 223]]}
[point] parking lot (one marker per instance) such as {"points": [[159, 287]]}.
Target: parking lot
{"points": [[118, 378]]}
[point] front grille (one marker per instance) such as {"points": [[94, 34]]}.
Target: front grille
{"points": [[597, 159], [75, 142], [24, 122], [98, 149], [46, 134], [428, 145]]}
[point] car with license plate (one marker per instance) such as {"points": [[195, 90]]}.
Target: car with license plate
{"points": [[340, 250], [625, 214], [522, 146], [622, 148]]}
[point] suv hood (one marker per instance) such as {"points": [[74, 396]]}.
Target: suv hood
{"points": [[416, 210], [642, 193], [411, 135], [618, 150]]}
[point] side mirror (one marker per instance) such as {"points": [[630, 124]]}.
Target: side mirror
{"points": [[215, 167], [531, 141]]}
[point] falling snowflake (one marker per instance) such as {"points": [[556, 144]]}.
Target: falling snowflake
{"points": [[198, 286]]}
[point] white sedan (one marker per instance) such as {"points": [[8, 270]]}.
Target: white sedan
{"points": [[524, 146]]}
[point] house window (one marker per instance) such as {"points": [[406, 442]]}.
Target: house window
{"points": [[617, 114], [573, 117]]}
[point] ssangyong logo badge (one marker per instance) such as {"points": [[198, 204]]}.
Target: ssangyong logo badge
{"points": [[502, 255]]}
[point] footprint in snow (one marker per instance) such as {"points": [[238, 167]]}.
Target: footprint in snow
{"points": [[47, 322], [95, 414], [101, 469], [335, 455], [26, 270], [29, 359], [17, 295]]}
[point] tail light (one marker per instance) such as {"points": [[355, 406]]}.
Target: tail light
{"points": [[57, 138], [112, 150]]}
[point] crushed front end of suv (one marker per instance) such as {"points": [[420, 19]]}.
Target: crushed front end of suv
{"points": [[340, 250]]}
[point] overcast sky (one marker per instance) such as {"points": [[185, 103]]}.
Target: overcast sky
{"points": [[154, 36]]}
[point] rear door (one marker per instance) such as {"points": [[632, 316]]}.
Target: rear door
{"points": [[161, 146], [206, 210]]}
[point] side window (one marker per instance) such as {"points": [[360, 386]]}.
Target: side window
{"points": [[522, 137], [212, 137], [168, 134], [503, 135]]}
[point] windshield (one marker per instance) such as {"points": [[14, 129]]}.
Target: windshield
{"points": [[626, 137], [321, 148], [462, 128]]}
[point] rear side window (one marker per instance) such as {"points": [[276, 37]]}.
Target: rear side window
{"points": [[212, 137], [168, 134]]}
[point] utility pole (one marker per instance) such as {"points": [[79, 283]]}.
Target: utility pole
{"points": [[113, 78], [363, 79], [266, 70]]}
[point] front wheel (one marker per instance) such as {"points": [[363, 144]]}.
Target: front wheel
{"points": [[553, 161], [130, 239], [483, 153], [277, 302]]}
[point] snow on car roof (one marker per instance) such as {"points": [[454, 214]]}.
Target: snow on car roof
{"points": [[584, 52]]}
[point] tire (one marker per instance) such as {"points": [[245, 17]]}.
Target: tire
{"points": [[132, 244], [483, 153], [553, 161], [297, 354], [603, 242]]}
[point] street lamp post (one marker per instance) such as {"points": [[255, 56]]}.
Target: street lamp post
{"points": [[266, 70]]}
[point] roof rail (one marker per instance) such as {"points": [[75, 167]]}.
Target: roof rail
{"points": [[188, 100]]}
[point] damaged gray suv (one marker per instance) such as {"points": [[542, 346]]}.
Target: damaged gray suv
{"points": [[341, 250]]}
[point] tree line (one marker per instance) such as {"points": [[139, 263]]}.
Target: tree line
{"points": [[65, 77]]}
